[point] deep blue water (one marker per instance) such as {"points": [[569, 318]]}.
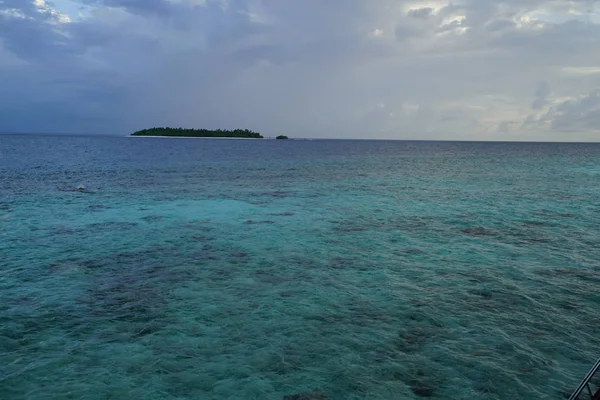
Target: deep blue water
{"points": [[238, 269]]}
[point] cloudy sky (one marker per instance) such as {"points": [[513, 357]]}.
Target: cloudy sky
{"points": [[431, 69]]}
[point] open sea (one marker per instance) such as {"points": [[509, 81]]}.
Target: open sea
{"points": [[247, 269]]}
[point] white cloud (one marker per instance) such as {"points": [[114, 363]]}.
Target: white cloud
{"points": [[581, 71], [410, 108], [55, 16], [376, 33], [12, 13], [433, 5]]}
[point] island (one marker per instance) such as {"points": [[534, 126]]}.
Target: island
{"points": [[203, 133], [282, 137]]}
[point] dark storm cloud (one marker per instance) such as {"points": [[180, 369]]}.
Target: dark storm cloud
{"points": [[423, 69]]}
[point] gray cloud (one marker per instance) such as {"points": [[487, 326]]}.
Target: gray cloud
{"points": [[582, 114], [421, 13], [144, 7], [312, 68], [541, 96], [33, 33]]}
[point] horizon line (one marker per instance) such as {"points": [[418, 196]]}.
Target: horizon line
{"points": [[314, 138]]}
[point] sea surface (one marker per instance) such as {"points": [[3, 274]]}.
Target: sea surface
{"points": [[239, 269]]}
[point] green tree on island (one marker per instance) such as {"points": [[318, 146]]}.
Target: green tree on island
{"points": [[281, 137], [181, 132]]}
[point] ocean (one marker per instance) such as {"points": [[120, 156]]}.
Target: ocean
{"points": [[239, 269]]}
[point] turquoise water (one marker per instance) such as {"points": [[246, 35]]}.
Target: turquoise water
{"points": [[218, 269]]}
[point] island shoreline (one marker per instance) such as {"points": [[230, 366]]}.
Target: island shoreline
{"points": [[195, 137], [202, 133]]}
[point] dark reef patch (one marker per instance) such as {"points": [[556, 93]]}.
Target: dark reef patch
{"points": [[284, 214], [109, 226], [153, 218], [307, 396], [422, 389], [342, 262], [252, 222], [97, 207], [350, 228], [538, 223], [201, 238], [63, 230], [486, 294], [477, 231], [409, 252]]}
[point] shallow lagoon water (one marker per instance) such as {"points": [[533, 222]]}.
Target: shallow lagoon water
{"points": [[210, 269]]}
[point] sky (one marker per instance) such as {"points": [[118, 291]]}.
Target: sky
{"points": [[387, 69]]}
